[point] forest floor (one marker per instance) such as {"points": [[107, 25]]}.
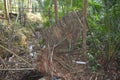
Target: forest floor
{"points": [[50, 54]]}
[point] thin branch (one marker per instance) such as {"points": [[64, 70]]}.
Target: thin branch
{"points": [[60, 42], [78, 18]]}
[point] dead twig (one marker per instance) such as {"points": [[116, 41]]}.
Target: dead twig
{"points": [[20, 69], [91, 77], [51, 59], [3, 61], [63, 65], [16, 55], [60, 42]]}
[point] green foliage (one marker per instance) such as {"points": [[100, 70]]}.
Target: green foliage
{"points": [[103, 21], [93, 62]]}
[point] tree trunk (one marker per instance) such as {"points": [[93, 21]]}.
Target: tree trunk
{"points": [[56, 11], [84, 27], [29, 6], [6, 9], [71, 3], [10, 5]]}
